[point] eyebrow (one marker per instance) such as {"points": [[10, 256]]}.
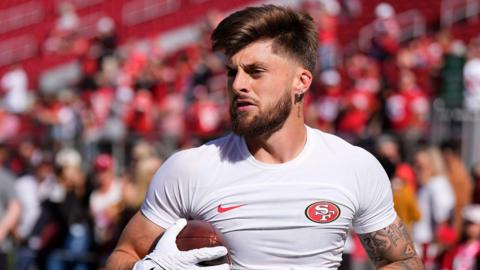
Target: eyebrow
{"points": [[251, 66]]}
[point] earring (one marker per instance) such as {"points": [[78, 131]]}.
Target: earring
{"points": [[298, 100], [298, 97]]}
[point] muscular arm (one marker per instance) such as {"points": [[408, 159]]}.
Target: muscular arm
{"points": [[391, 248], [135, 242]]}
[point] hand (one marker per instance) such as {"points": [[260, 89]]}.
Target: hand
{"points": [[166, 255]]}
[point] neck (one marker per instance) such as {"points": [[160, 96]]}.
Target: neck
{"points": [[106, 187], [280, 146]]}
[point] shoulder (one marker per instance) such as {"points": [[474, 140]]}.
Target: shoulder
{"points": [[335, 146], [440, 182], [210, 150], [332, 143], [472, 65], [26, 181], [7, 184], [6, 175], [363, 167], [193, 160]]}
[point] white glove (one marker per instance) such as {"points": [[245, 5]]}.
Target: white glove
{"points": [[166, 255]]}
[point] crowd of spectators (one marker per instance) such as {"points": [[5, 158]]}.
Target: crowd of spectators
{"points": [[75, 163]]}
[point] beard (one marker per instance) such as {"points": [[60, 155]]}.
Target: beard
{"points": [[265, 123]]}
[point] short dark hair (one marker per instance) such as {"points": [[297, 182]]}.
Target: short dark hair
{"points": [[292, 32]]}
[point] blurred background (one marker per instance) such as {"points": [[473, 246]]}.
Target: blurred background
{"points": [[96, 94]]}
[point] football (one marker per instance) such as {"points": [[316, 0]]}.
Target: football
{"points": [[198, 234]]}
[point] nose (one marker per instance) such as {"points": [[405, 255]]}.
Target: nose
{"points": [[240, 82]]}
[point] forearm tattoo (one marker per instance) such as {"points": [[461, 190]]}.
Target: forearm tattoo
{"points": [[391, 246], [410, 264]]}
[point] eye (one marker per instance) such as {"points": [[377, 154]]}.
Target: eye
{"points": [[255, 72], [231, 72]]}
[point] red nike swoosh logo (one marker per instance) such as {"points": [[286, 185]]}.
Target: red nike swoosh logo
{"points": [[222, 209]]}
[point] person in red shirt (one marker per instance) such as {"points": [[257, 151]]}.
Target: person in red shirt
{"points": [[204, 115], [407, 110], [466, 255], [139, 117], [325, 103]]}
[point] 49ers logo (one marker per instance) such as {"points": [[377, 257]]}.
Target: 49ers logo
{"points": [[322, 212]]}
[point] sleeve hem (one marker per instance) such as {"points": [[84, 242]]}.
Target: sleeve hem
{"points": [[155, 219], [377, 226]]}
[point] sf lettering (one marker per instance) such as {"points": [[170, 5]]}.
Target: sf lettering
{"points": [[323, 212]]}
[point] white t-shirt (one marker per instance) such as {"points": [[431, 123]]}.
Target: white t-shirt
{"points": [[100, 202], [27, 190], [436, 201], [293, 215], [15, 84], [471, 74]]}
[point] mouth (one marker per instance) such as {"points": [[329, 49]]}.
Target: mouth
{"points": [[242, 104]]}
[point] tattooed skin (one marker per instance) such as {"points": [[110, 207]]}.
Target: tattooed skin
{"points": [[391, 248]]}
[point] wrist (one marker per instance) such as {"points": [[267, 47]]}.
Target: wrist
{"points": [[146, 264]]}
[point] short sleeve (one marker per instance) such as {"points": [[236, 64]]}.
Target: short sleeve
{"points": [[375, 198], [7, 190], [166, 201]]}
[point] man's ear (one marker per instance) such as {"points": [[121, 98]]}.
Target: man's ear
{"points": [[303, 80]]}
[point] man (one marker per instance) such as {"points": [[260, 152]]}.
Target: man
{"points": [[105, 205], [282, 194], [436, 200], [10, 209], [471, 78]]}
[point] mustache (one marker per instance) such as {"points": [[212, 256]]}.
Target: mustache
{"points": [[242, 99]]}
